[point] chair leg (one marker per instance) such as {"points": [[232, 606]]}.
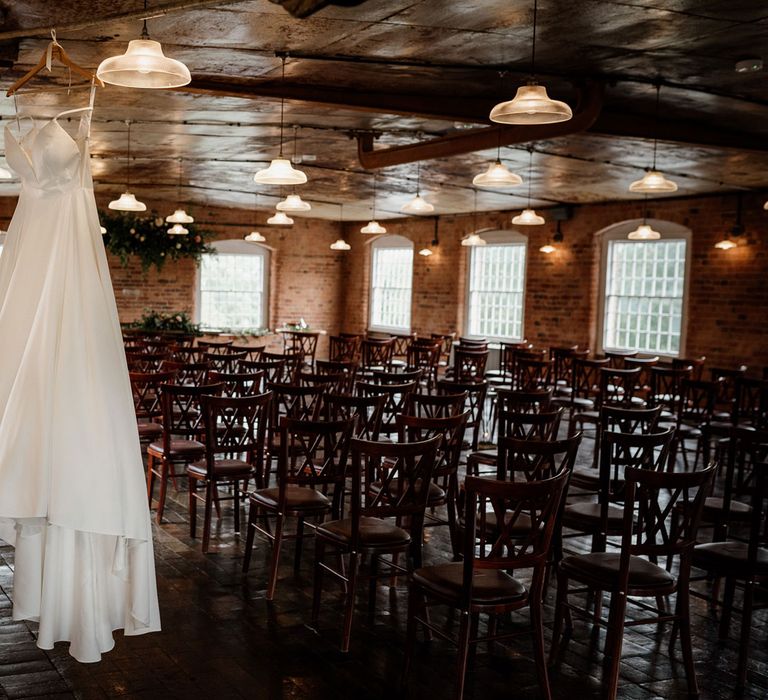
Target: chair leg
{"points": [[249, 536], [561, 599], [414, 596], [615, 639], [150, 477], [725, 616], [210, 489], [746, 627], [236, 505], [299, 544], [275, 559], [538, 647], [318, 583], [453, 488], [164, 467], [354, 564], [683, 624], [461, 662], [192, 507]]}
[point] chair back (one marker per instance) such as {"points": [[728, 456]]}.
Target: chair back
{"points": [[618, 358], [188, 373], [215, 345], [617, 386], [746, 449], [238, 384], [425, 358], [396, 400], [451, 428], [344, 348], [474, 403], [562, 363], [302, 343], [381, 376], [469, 364], [145, 387], [327, 382], [182, 411], [695, 363], [535, 460], [346, 367], [752, 402], [585, 381], [376, 353], [292, 362], [403, 472], [252, 352], [530, 426], [224, 361], [643, 382], [235, 428], [665, 387], [446, 342], [185, 354], [435, 406], [367, 411], [401, 344], [272, 369], [296, 402], [472, 343], [146, 361], [529, 511], [533, 373], [523, 401], [727, 378], [629, 420], [697, 401]]}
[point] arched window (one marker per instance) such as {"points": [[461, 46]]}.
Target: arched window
{"points": [[233, 290], [643, 289], [496, 286], [391, 284]]}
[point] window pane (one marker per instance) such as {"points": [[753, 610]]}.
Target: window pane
{"points": [[391, 284], [232, 291], [496, 291], [644, 295]]}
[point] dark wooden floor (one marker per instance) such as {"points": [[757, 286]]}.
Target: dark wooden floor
{"points": [[221, 639]]}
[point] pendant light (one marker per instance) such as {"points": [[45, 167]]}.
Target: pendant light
{"points": [[498, 176], [531, 104], [473, 240], [418, 205], [340, 243], [293, 203], [102, 230], [143, 65], [765, 206], [373, 226], [528, 217], [280, 170], [178, 230], [654, 182], [737, 230], [127, 201], [549, 248], [179, 216], [255, 237], [644, 232], [280, 218], [427, 251]]}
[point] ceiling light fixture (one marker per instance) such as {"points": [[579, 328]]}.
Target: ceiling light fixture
{"points": [[644, 232], [143, 65], [654, 182], [497, 175], [730, 239], [531, 104], [293, 203], [280, 170], [127, 201], [178, 230], [418, 205], [473, 240], [280, 218], [255, 237], [179, 216], [373, 226], [427, 251], [340, 243], [549, 248], [528, 217]]}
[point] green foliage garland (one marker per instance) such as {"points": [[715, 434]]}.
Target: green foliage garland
{"points": [[147, 238], [155, 321]]}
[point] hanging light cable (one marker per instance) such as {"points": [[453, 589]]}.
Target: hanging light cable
{"points": [[473, 240], [644, 232], [127, 201], [293, 203], [255, 236], [340, 243], [549, 248], [528, 217], [373, 226], [654, 182], [179, 216], [143, 65], [418, 205], [737, 230], [280, 170], [531, 104]]}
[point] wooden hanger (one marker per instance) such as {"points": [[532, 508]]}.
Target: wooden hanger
{"points": [[54, 50]]}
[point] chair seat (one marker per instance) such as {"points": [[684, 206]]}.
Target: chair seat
{"points": [[521, 526], [585, 478], [604, 566], [150, 431], [374, 532], [489, 457], [589, 514], [713, 509], [579, 402], [436, 493], [223, 468], [729, 558], [490, 586], [296, 498], [191, 449], [587, 416]]}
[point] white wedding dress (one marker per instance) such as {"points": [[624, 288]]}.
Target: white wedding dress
{"points": [[72, 495]]}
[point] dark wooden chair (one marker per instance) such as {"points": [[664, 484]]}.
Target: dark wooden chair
{"points": [[618, 358], [146, 361], [426, 359], [313, 459], [344, 348], [292, 362], [218, 345], [435, 405], [252, 352], [382, 376], [367, 411], [188, 354], [238, 384], [615, 388], [302, 343], [446, 341], [486, 581], [508, 399], [273, 369], [695, 411], [376, 353], [235, 436], [346, 367], [145, 387], [181, 442], [224, 361], [643, 382], [506, 373], [187, 373], [396, 400], [327, 382], [751, 402], [649, 498], [562, 366], [585, 385], [404, 472], [695, 363], [475, 404], [469, 364]]}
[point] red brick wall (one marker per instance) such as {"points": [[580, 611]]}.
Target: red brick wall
{"points": [[728, 296]]}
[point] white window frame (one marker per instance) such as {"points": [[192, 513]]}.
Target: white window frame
{"points": [[669, 231], [239, 247], [389, 241], [497, 238]]}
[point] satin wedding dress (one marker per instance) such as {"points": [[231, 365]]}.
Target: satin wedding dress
{"points": [[72, 496]]}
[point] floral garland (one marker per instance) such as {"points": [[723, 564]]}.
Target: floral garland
{"points": [[148, 239], [155, 321]]}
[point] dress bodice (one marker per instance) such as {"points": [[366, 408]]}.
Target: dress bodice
{"points": [[47, 158]]}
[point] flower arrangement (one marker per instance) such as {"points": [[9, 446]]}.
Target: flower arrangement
{"points": [[153, 321], [148, 239]]}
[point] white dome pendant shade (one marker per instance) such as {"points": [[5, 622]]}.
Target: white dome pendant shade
{"points": [[473, 241], [644, 232], [177, 230], [531, 105], [280, 218], [425, 252], [528, 217], [373, 226], [127, 202], [293, 203], [497, 176], [179, 217], [653, 182], [255, 237], [340, 244], [280, 172], [418, 205], [144, 65], [726, 244]]}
